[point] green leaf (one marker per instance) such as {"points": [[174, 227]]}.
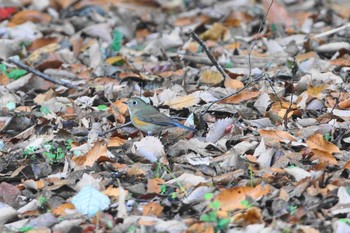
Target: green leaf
{"points": [[3, 68], [49, 155], [327, 137], [215, 205], [208, 196], [205, 218], [44, 110], [222, 223], [16, 74], [117, 41], [229, 64], [25, 229], [162, 189], [345, 220], [102, 107], [246, 203]]}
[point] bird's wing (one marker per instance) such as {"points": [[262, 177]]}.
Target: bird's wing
{"points": [[157, 118]]}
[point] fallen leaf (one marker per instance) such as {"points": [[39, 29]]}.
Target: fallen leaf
{"points": [[316, 90], [211, 77], [233, 83], [115, 142], [248, 217], [30, 15], [152, 209], [114, 192], [216, 32], [322, 149], [231, 199], [98, 150], [154, 185], [241, 97], [277, 135], [204, 227], [61, 209], [182, 102]]}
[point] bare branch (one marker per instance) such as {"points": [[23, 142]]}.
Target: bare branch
{"points": [[42, 75]]}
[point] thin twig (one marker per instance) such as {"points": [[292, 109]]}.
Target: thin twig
{"points": [[115, 128], [235, 93], [209, 54], [211, 57], [326, 33], [85, 133], [42, 75], [256, 39]]}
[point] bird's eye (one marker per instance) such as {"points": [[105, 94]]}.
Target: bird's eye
{"points": [[134, 102]]}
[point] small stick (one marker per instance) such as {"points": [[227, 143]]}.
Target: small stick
{"points": [[42, 75], [85, 133], [326, 33], [256, 39], [115, 128], [209, 54]]}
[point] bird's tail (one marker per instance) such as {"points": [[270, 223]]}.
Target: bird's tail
{"points": [[178, 124]]}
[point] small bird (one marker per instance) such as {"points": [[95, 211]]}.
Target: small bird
{"points": [[148, 119]]}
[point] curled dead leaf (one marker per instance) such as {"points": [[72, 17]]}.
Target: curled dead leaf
{"points": [[97, 151], [250, 216]]}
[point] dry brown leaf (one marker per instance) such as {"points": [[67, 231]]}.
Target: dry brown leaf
{"points": [[316, 90], [305, 56], [182, 102], [203, 227], [250, 216], [347, 165], [154, 185], [317, 141], [230, 199], [118, 108], [41, 98], [323, 156], [344, 104], [61, 209], [241, 97], [275, 134], [233, 83], [216, 32], [97, 151], [115, 142], [322, 149], [211, 77], [169, 73], [41, 42], [30, 15], [281, 108], [341, 62], [114, 192], [4, 80], [152, 209]]}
